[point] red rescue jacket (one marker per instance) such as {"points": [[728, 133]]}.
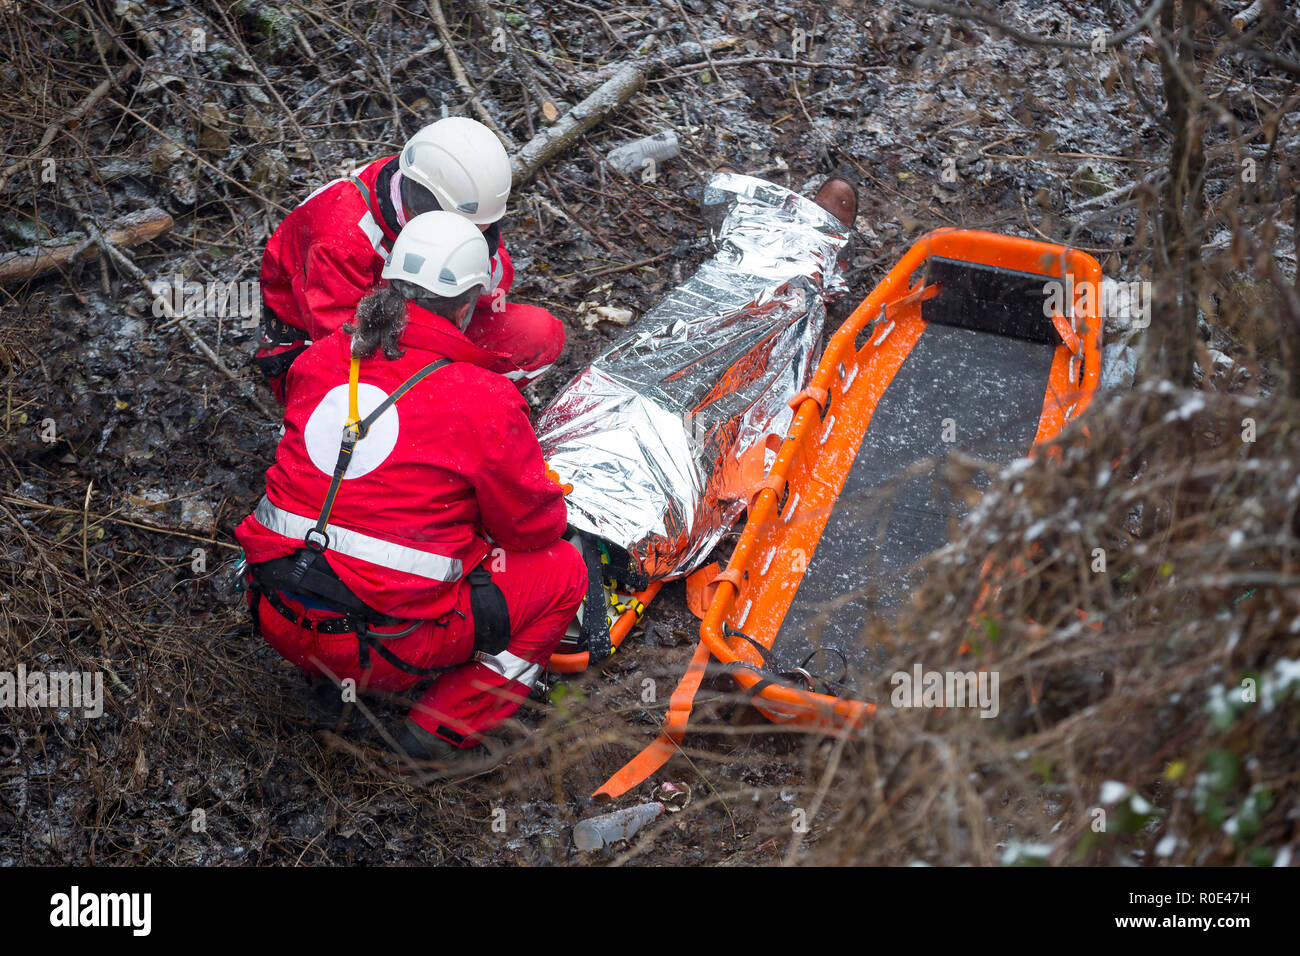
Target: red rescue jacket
{"points": [[328, 253], [450, 468]]}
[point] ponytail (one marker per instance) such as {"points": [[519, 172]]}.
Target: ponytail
{"points": [[381, 316], [379, 323]]}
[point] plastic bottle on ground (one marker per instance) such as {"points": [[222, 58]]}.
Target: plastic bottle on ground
{"points": [[630, 157], [596, 832]]}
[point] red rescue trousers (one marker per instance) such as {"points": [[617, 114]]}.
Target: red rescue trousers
{"points": [[528, 337], [543, 590]]}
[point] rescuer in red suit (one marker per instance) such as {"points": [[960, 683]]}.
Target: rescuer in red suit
{"points": [[329, 251], [409, 527]]}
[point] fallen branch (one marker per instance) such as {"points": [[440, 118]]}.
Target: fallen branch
{"points": [[623, 267], [1248, 16], [686, 68], [1113, 40], [95, 519], [130, 230], [673, 56], [570, 127]]}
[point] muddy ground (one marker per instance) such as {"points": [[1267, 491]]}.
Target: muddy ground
{"points": [[117, 546]]}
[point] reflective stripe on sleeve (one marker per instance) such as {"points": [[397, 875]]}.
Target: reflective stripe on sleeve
{"points": [[526, 373], [374, 234]]}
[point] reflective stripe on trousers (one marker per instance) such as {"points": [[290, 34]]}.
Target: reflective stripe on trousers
{"points": [[510, 666]]}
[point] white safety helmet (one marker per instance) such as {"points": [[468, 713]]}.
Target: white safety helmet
{"points": [[463, 164], [440, 252]]}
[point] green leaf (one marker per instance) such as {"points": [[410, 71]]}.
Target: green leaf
{"points": [[1222, 766], [1261, 855], [1215, 811]]}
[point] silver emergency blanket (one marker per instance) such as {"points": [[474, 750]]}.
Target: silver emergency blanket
{"points": [[666, 432]]}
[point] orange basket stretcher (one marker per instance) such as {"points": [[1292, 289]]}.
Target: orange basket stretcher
{"points": [[981, 342]]}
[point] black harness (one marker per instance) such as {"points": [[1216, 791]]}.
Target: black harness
{"points": [[272, 580], [307, 573], [817, 683], [354, 432]]}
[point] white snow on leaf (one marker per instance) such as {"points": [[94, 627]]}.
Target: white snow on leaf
{"points": [[1017, 851], [1185, 411], [1286, 672], [1112, 791], [1220, 707]]}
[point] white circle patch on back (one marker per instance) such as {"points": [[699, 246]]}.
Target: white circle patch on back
{"points": [[324, 431]]}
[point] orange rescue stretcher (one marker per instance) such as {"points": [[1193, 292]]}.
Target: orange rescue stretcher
{"points": [[978, 295], [976, 341]]}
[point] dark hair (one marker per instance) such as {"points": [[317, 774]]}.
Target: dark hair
{"points": [[418, 199], [381, 316]]}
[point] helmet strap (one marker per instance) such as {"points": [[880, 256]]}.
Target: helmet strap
{"points": [[395, 197]]}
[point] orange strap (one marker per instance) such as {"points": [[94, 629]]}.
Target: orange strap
{"points": [[554, 477], [818, 395], [919, 293], [354, 376], [775, 482], [636, 770], [731, 576], [1066, 332], [699, 588], [354, 424]]}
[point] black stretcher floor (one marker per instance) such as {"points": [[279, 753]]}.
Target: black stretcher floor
{"points": [[992, 388]]}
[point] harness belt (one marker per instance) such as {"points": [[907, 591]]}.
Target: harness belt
{"points": [[273, 580], [306, 573]]}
